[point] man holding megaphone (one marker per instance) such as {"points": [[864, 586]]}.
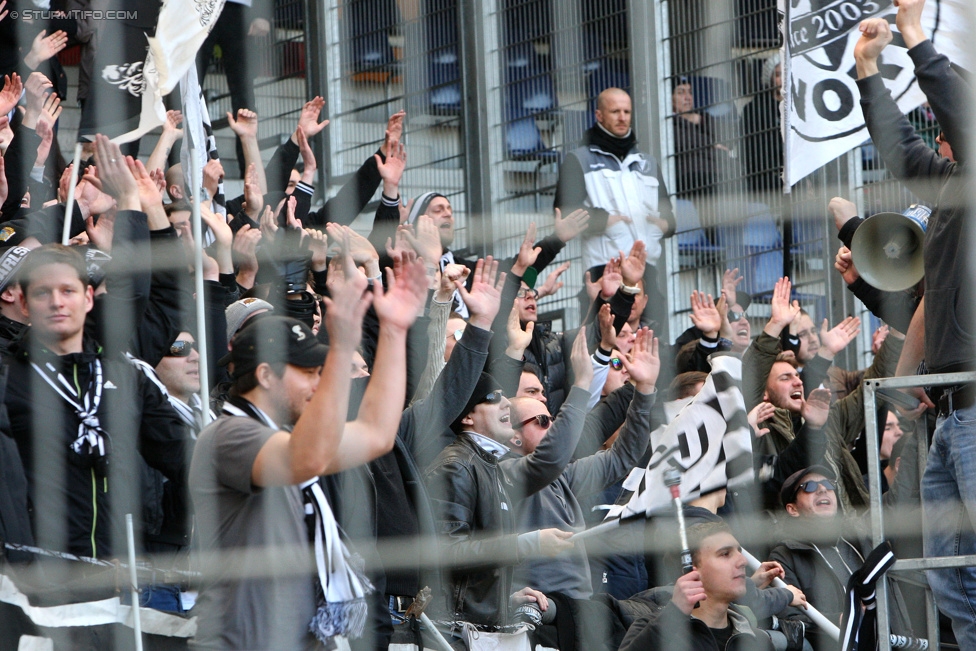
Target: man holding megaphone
{"points": [[942, 330]]}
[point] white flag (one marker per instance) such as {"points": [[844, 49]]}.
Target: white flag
{"points": [[821, 108]]}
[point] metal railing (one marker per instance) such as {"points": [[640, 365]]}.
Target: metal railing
{"points": [[875, 497]]}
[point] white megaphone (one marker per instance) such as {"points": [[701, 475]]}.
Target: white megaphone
{"points": [[887, 248]]}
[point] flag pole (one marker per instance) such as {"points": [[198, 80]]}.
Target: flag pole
{"points": [[815, 615], [69, 202]]}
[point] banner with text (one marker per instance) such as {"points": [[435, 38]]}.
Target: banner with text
{"points": [[821, 108]]}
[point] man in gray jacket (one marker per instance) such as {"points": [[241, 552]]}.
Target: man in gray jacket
{"points": [[557, 505]]}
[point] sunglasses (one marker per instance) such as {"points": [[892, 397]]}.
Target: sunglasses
{"points": [[542, 420], [811, 486], [616, 364], [527, 293], [735, 316], [456, 334], [493, 398], [181, 348]]}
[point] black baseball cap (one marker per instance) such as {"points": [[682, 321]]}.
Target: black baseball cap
{"points": [[787, 494], [486, 386], [274, 339]]}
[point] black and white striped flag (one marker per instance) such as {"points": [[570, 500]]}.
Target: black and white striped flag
{"points": [[709, 441]]}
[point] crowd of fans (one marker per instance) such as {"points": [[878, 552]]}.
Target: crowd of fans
{"points": [[385, 415]]}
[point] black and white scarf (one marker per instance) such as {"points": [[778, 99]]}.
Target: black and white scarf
{"points": [[92, 443], [342, 586], [191, 414]]}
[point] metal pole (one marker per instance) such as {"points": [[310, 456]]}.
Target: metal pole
{"points": [[818, 618], [875, 505], [134, 581], [436, 634], [70, 200], [198, 282]]}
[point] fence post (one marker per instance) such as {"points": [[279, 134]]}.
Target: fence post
{"points": [[317, 82], [648, 70], [479, 74]]}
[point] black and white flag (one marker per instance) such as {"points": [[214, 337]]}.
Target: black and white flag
{"points": [[709, 441], [822, 116], [139, 60]]}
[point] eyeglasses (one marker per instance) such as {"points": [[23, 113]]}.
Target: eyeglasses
{"points": [[542, 420], [735, 316], [493, 398], [456, 334], [811, 486], [527, 293], [181, 348], [616, 364]]}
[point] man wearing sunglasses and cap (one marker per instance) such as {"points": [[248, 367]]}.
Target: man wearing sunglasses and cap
{"points": [[557, 505], [821, 568], [476, 486]]}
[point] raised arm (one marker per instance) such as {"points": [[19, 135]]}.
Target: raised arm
{"points": [[313, 447], [372, 434]]}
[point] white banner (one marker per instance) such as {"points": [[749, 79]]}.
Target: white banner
{"points": [[822, 111]]}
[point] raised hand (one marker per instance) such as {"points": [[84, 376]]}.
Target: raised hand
{"points": [[347, 302], [44, 47], [448, 276], [246, 124], [782, 311], [3, 10], [45, 130], [608, 335], [244, 253], [572, 225], [580, 360], [391, 171], [213, 174], [704, 314], [875, 36], [632, 267], [835, 339], [13, 87], [643, 363], [844, 263], [909, 21], [552, 283], [730, 282], [688, 591], [171, 127], [394, 131], [318, 244], [399, 305], [518, 338], [592, 287], [308, 119], [114, 173], [89, 195], [223, 237], [611, 279], [841, 210], [816, 408], [760, 414], [527, 254], [102, 231], [36, 93], [308, 157], [484, 298], [253, 198], [149, 194]]}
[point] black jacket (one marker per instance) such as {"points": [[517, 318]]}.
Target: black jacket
{"points": [[141, 424], [824, 582], [672, 630], [939, 182], [475, 497]]}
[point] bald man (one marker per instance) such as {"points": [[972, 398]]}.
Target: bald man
{"points": [[623, 190]]}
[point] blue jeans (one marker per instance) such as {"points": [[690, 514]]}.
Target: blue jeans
{"points": [[949, 519]]}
